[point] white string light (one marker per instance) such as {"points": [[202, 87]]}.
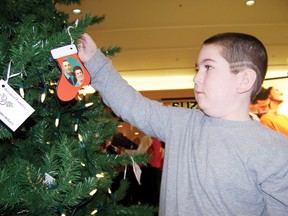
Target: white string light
{"points": [[57, 119], [76, 126], [93, 192], [21, 90], [100, 175], [94, 212], [88, 104], [80, 138], [43, 97]]}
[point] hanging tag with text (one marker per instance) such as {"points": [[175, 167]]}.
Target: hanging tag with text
{"points": [[14, 110]]}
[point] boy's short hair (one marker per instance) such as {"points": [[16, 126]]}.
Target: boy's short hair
{"points": [[243, 51]]}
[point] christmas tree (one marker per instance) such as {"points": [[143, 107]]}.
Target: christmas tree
{"points": [[52, 163]]}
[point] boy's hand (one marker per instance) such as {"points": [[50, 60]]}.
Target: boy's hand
{"points": [[86, 48]]}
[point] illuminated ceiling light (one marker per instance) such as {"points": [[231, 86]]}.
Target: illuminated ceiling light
{"points": [[76, 11], [250, 2]]}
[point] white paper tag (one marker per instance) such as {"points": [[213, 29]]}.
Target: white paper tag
{"points": [[14, 110], [137, 171]]}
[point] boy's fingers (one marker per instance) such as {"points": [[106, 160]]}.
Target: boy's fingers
{"points": [[80, 44]]}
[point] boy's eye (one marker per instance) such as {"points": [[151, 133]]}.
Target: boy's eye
{"points": [[203, 68], [208, 67]]}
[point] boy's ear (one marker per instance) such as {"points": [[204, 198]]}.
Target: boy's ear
{"points": [[247, 80]]}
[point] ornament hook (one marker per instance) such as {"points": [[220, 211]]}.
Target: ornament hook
{"points": [[68, 30]]}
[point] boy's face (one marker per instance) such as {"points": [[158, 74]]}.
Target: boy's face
{"points": [[215, 85]]}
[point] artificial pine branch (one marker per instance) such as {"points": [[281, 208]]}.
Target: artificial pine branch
{"points": [[39, 149]]}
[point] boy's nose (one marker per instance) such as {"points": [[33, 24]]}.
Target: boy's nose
{"points": [[197, 78]]}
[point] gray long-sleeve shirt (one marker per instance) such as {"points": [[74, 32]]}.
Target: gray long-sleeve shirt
{"points": [[212, 166]]}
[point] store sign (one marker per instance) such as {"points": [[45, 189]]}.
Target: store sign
{"points": [[185, 103]]}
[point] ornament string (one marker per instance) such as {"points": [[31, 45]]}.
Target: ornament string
{"points": [[8, 76]]}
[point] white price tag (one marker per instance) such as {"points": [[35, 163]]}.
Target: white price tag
{"points": [[14, 110]]}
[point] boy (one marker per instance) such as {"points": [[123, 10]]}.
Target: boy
{"points": [[217, 160]]}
